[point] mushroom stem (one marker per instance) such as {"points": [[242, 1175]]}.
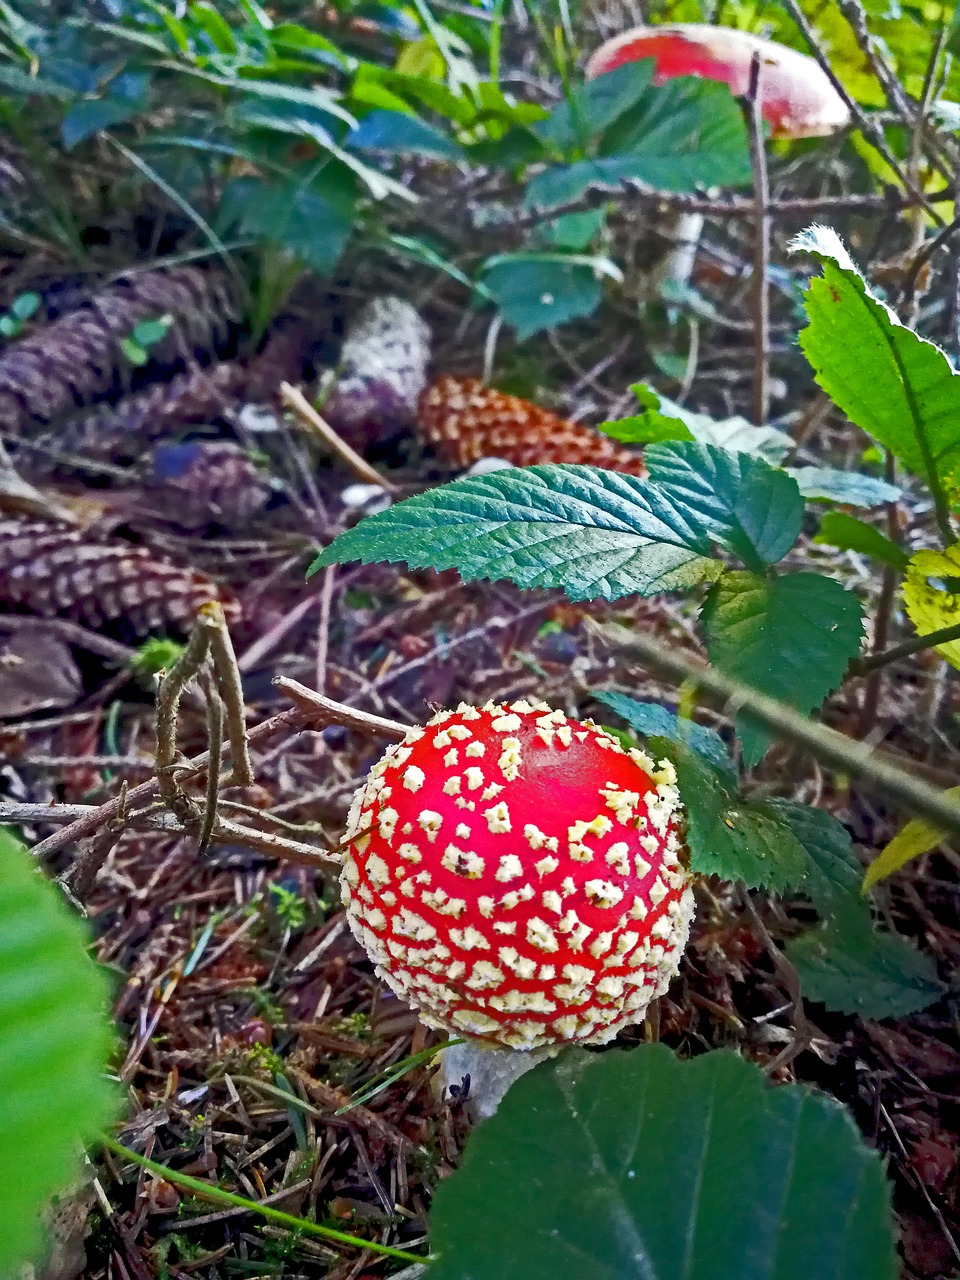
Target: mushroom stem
{"points": [[483, 1073], [678, 263]]}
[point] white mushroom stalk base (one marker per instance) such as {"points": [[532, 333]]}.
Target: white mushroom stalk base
{"points": [[483, 1073]]}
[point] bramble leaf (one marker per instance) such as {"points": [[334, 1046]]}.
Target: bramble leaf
{"points": [[54, 1046], [897, 386], [851, 967], [833, 872], [636, 1164], [791, 637]]}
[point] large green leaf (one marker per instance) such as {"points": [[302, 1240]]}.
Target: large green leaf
{"points": [[634, 1165], [887, 379], [851, 967], [592, 532], [596, 534], [537, 291], [728, 835], [54, 1045], [838, 529], [312, 219], [791, 637], [833, 873]]}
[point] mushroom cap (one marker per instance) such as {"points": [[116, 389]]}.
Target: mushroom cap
{"points": [[517, 876], [797, 98]]}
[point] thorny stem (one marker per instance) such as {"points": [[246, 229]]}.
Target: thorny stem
{"points": [[761, 250], [856, 759], [231, 688]]}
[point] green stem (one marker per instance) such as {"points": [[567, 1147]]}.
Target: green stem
{"points": [[860, 666], [209, 1192], [855, 759]]}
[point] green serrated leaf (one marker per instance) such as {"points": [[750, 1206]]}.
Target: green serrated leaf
{"points": [[635, 1165], [653, 720], [897, 386], [750, 508], [791, 637], [850, 967], [833, 872], [54, 1046], [593, 533], [727, 835], [397, 131], [837, 529]]}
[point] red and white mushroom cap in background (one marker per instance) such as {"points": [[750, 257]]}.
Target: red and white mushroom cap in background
{"points": [[797, 98], [517, 876]]}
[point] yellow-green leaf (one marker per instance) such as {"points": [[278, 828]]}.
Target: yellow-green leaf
{"points": [[931, 604], [916, 838]]}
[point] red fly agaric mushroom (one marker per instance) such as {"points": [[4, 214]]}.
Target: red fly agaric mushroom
{"points": [[518, 877], [797, 98]]}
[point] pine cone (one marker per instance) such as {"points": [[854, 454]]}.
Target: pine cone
{"points": [[465, 421], [123, 432], [56, 570], [383, 371], [204, 481], [74, 359]]}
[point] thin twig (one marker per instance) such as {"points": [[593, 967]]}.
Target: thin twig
{"points": [[932, 640], [329, 712], [855, 759], [231, 689], [274, 846], [208, 822], [295, 400], [884, 611], [761, 248], [169, 692]]}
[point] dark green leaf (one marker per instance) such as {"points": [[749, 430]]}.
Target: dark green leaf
{"points": [[397, 131], [833, 873], [127, 98], [574, 230], [750, 508], [653, 720], [592, 107], [635, 1165], [594, 533], [853, 968], [54, 1047], [837, 529], [727, 835], [850, 488], [312, 220], [887, 379], [791, 637], [537, 291]]}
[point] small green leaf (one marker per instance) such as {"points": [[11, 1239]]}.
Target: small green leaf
{"points": [[536, 291], [730, 836], [653, 720], [897, 386], [149, 332], [850, 967], [25, 305], [838, 529], [791, 637], [663, 419], [635, 1165], [9, 327], [593, 533], [54, 1046], [850, 488], [134, 352]]}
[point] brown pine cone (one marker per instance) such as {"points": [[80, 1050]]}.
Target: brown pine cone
{"points": [[205, 480], [466, 421], [74, 359], [56, 570]]}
